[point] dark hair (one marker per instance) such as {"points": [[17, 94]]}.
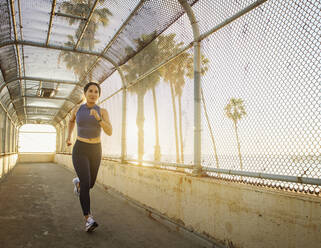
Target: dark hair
{"points": [[92, 83]]}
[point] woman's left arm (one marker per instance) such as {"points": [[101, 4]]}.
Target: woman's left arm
{"points": [[105, 122]]}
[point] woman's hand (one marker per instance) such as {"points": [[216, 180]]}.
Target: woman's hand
{"points": [[95, 114], [68, 142]]}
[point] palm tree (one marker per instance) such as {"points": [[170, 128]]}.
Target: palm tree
{"points": [[82, 8], [174, 73], [134, 68], [170, 74], [157, 151], [80, 63], [235, 111]]}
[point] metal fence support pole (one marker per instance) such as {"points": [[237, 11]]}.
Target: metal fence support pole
{"points": [[197, 88]]}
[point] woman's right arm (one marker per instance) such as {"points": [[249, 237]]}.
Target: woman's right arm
{"points": [[71, 124]]}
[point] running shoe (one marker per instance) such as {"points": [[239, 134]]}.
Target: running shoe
{"points": [[91, 224], [75, 181]]}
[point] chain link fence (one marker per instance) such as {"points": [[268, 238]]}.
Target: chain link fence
{"points": [[261, 94]]}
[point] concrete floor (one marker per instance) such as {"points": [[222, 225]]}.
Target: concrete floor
{"points": [[38, 209]]}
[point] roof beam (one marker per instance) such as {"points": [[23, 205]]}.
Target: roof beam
{"points": [[45, 108], [45, 114], [61, 48], [38, 107], [86, 25], [52, 98], [43, 80], [23, 57], [39, 80], [50, 22], [70, 16], [14, 24]]}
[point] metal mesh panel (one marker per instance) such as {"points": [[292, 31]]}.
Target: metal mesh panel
{"points": [[17, 104], [166, 130], [39, 117], [67, 148], [111, 145], [61, 135], [68, 7], [2, 120], [100, 17], [63, 31], [8, 62], [7, 139], [101, 71], [211, 13], [67, 106], [45, 111], [13, 137], [119, 11], [59, 141], [32, 88], [152, 55], [142, 111], [35, 17], [177, 75], [182, 30], [268, 66], [5, 97], [11, 109], [3, 130], [41, 60], [151, 20], [184, 93], [63, 90], [14, 117], [80, 10], [14, 89], [110, 86], [149, 127], [45, 102], [2, 82], [65, 134], [76, 95], [5, 22], [58, 137]]}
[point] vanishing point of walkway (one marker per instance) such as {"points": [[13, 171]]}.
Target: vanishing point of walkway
{"points": [[38, 209]]}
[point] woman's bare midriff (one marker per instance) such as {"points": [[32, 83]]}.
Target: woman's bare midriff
{"points": [[91, 141]]}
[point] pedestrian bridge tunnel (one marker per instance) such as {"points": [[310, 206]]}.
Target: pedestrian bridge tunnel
{"points": [[215, 108]]}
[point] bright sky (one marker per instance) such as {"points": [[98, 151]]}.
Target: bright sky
{"points": [[37, 138]]}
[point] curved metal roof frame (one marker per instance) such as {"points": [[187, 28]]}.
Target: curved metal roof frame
{"points": [[101, 55], [61, 114]]}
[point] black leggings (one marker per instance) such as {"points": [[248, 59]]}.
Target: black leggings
{"points": [[86, 159]]}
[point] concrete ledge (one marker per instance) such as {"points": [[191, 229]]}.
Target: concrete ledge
{"points": [[34, 157], [232, 214], [7, 162]]}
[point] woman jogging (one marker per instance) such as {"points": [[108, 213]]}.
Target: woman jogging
{"points": [[86, 153]]}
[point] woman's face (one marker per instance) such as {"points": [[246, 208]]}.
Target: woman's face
{"points": [[92, 94]]}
